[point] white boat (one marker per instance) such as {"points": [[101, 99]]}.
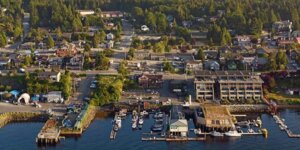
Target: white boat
{"points": [[118, 121], [134, 125], [197, 131], [216, 134], [250, 130], [233, 133], [141, 121], [144, 113]]}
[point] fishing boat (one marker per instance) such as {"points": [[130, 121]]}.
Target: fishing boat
{"points": [[233, 133], [216, 134], [158, 115], [157, 127], [134, 125], [144, 113]]}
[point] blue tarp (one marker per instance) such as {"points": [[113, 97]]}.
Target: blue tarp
{"points": [[15, 93], [35, 99]]}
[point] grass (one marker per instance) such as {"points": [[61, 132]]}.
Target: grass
{"points": [[283, 98]]}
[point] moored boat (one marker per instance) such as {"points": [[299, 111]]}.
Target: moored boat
{"points": [[233, 133], [216, 134]]}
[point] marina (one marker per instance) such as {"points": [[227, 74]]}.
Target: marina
{"points": [[282, 125], [97, 135]]}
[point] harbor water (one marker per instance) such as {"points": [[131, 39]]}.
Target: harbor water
{"points": [[22, 136]]}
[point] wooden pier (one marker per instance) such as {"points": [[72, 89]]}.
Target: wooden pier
{"points": [[49, 134]]}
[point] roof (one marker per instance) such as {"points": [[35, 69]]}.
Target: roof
{"points": [[217, 116], [180, 122], [47, 73], [14, 92]]}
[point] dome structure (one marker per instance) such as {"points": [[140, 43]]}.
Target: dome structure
{"points": [[25, 97]]}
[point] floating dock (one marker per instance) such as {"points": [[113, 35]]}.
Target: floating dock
{"points": [[49, 134], [284, 127]]}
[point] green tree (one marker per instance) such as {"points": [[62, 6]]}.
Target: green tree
{"points": [[272, 65], [3, 40], [167, 66], [200, 55], [87, 47], [150, 20], [66, 81], [50, 42], [281, 60], [102, 61], [131, 54], [122, 70], [162, 23]]}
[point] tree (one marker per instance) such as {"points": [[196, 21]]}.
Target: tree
{"points": [[58, 32], [50, 42], [102, 36], [272, 65], [159, 47], [201, 55], [162, 23], [87, 47], [281, 60], [102, 61], [167, 66], [150, 20], [122, 70], [66, 81], [3, 39], [130, 55], [96, 39]]}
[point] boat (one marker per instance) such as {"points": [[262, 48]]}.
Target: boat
{"points": [[134, 125], [216, 134], [116, 128], [233, 133], [243, 123], [141, 121], [250, 130], [158, 115], [157, 128], [134, 118], [118, 121], [144, 113], [197, 131]]}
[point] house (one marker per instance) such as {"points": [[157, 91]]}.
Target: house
{"points": [[178, 124], [159, 57], [243, 40], [193, 65], [249, 59], [110, 36], [211, 65], [54, 96], [4, 62], [293, 91], [144, 28], [150, 80], [69, 50], [296, 33], [16, 59], [297, 40], [52, 76], [142, 54], [27, 45], [86, 12], [110, 44], [111, 14], [282, 26], [76, 62]]}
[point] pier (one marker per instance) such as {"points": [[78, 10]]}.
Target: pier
{"points": [[49, 134], [113, 134], [284, 127]]}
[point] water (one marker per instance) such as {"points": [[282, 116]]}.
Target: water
{"points": [[22, 136]]}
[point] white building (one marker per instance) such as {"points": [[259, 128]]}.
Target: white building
{"points": [[178, 124]]}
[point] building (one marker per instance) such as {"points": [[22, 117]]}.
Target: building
{"points": [[243, 40], [76, 62], [54, 96], [228, 86], [110, 36], [213, 117], [52, 76], [178, 125], [111, 14], [150, 80], [193, 65], [282, 26], [144, 28], [86, 12], [211, 65]]}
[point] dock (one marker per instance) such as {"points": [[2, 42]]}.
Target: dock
{"points": [[49, 134], [284, 127], [113, 133], [173, 139]]}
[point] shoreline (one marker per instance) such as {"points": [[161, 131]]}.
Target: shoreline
{"points": [[10, 117]]}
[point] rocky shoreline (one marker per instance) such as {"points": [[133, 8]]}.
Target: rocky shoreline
{"points": [[10, 117]]}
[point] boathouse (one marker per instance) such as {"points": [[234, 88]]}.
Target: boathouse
{"points": [[178, 125], [213, 117]]}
